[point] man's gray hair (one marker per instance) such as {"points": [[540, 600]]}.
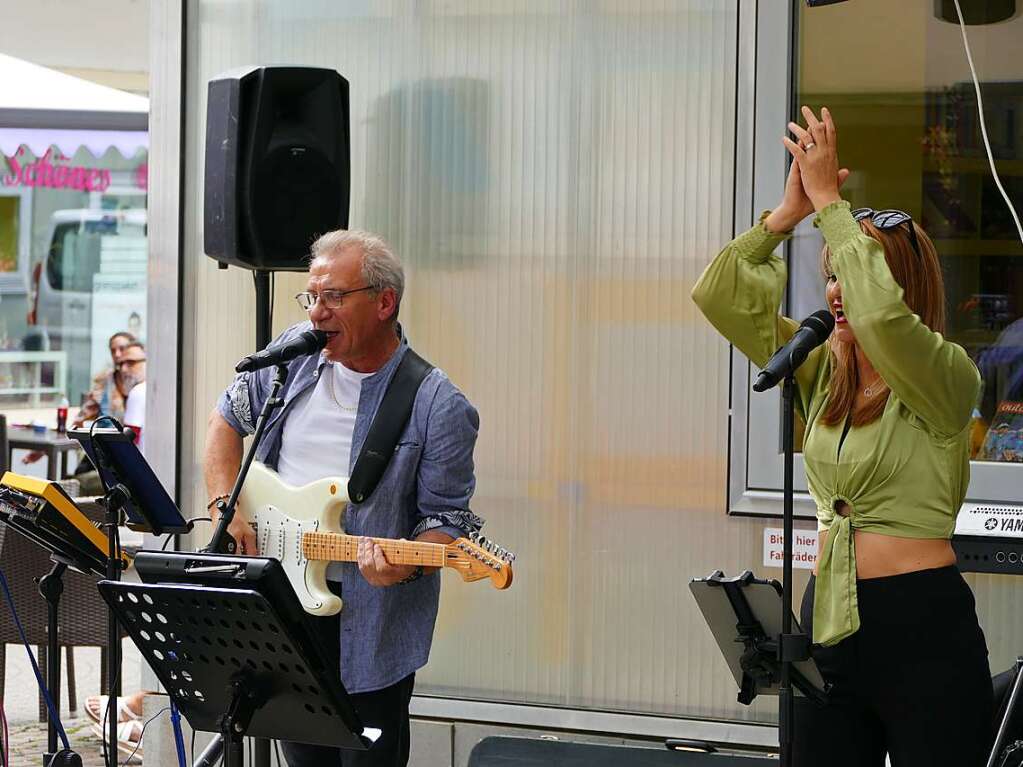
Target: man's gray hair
{"points": [[380, 267]]}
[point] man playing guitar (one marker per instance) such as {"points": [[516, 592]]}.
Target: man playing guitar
{"points": [[385, 628]]}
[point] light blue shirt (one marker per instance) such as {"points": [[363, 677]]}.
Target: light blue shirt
{"points": [[385, 632]]}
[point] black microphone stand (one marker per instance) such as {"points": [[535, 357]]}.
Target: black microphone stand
{"points": [[113, 501], [261, 281], [792, 648], [218, 543]]}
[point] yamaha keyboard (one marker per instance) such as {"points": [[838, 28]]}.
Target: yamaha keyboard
{"points": [[40, 510], [989, 538]]}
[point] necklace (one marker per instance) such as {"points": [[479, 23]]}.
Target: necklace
{"points": [[347, 408], [869, 390]]}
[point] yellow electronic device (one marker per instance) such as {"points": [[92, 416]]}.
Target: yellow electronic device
{"points": [[41, 510]]}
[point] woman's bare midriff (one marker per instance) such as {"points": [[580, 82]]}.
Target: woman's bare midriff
{"points": [[878, 556]]}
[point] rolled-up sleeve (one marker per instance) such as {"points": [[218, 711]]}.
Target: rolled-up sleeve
{"points": [[238, 403], [447, 479]]}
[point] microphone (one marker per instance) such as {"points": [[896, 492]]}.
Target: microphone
{"points": [[813, 331], [306, 342]]}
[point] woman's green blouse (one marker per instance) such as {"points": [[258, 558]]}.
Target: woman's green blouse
{"points": [[906, 473]]}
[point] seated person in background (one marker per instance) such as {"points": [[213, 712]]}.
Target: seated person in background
{"points": [[132, 370], [108, 394]]}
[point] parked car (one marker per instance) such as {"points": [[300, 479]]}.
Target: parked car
{"points": [[89, 283]]}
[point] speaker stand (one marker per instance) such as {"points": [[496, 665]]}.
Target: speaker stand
{"points": [[264, 311]]}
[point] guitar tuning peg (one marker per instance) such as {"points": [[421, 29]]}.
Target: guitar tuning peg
{"points": [[474, 536], [482, 540]]}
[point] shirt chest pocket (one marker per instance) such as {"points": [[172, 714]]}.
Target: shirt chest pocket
{"points": [[400, 477]]}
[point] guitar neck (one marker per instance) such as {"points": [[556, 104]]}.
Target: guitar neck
{"points": [[338, 547]]}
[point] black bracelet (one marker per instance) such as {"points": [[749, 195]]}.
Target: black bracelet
{"points": [[415, 575], [215, 501]]}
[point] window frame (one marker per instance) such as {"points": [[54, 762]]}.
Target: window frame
{"points": [[16, 282], [755, 465]]}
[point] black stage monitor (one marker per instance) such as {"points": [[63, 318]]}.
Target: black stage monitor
{"points": [[119, 462]]}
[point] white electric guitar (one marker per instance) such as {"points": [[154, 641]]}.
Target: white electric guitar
{"points": [[301, 527]]}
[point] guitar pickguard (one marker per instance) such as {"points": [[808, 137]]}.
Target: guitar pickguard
{"points": [[281, 514]]}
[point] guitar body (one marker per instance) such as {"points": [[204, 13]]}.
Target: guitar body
{"points": [[281, 514]]}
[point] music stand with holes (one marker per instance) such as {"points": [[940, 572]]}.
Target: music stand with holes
{"points": [[236, 662], [134, 496]]}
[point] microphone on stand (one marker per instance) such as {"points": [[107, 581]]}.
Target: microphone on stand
{"points": [[813, 331], [306, 342]]}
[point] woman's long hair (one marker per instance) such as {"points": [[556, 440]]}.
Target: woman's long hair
{"points": [[924, 293]]}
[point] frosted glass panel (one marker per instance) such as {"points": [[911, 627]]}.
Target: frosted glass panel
{"points": [[555, 175]]}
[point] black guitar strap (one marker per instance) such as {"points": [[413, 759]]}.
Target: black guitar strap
{"points": [[388, 424]]}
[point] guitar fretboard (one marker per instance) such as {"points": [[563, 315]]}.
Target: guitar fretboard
{"points": [[337, 547]]}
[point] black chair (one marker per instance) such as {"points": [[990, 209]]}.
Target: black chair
{"points": [[503, 751]]}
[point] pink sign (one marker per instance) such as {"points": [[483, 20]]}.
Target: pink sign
{"points": [[142, 176], [45, 172]]}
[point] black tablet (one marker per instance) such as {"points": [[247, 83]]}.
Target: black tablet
{"points": [[118, 461]]}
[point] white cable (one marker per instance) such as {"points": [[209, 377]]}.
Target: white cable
{"points": [[983, 126]]}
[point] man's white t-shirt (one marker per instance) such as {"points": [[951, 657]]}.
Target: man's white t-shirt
{"points": [[317, 437], [135, 414]]}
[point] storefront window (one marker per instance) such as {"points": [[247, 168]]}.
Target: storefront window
{"points": [[72, 270], [909, 131]]}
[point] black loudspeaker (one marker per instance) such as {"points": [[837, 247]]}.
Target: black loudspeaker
{"points": [[277, 165]]}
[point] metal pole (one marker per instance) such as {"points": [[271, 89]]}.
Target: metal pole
{"points": [[264, 312], [51, 586], [785, 700], [113, 633]]}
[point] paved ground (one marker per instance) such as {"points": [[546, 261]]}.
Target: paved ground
{"points": [[28, 742], [28, 736]]}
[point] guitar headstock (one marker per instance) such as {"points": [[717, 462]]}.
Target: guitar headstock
{"points": [[476, 558]]}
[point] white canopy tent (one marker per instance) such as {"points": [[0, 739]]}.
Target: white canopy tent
{"points": [[41, 107]]}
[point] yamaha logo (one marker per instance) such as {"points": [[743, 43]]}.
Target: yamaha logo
{"points": [[990, 523]]}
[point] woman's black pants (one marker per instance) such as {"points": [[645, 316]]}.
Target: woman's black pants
{"points": [[913, 682]]}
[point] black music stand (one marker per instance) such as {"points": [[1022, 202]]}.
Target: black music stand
{"points": [[233, 660], [135, 497], [17, 510], [744, 615]]}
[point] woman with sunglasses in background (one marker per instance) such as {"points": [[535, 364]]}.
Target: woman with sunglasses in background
{"points": [[887, 404]]}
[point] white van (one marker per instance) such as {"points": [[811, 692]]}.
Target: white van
{"points": [[89, 284]]}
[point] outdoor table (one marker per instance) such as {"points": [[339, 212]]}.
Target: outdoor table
{"points": [[49, 442]]}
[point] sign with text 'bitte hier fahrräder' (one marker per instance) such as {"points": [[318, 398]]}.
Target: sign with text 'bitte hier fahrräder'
{"points": [[804, 548]]}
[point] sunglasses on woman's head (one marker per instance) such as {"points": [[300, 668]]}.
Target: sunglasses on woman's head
{"points": [[889, 219]]}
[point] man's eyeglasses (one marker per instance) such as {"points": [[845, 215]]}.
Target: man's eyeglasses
{"points": [[889, 219], [332, 299], [129, 363]]}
